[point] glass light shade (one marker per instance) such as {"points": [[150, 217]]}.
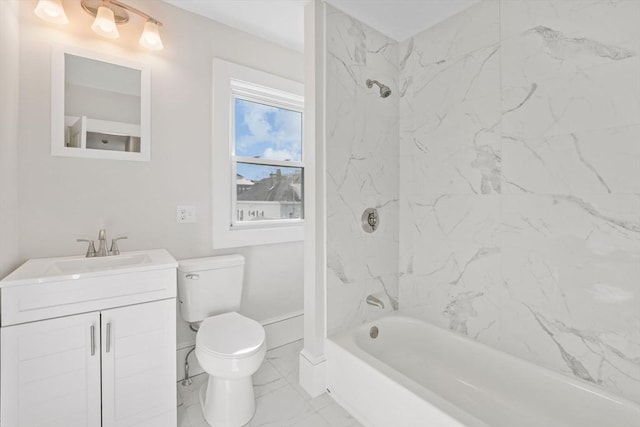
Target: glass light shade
{"points": [[105, 24], [51, 11], [150, 38]]}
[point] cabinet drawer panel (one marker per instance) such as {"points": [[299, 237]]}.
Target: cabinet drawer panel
{"points": [[26, 303]]}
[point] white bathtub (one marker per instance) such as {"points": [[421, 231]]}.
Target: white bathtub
{"points": [[415, 374]]}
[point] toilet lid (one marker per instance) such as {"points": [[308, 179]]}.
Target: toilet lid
{"points": [[230, 335]]}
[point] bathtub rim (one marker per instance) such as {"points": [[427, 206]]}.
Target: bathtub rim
{"points": [[347, 341], [411, 389]]}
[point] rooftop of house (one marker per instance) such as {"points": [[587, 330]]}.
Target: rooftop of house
{"points": [[276, 187]]}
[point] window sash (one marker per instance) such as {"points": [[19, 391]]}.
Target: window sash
{"points": [[265, 95], [234, 223], [271, 102], [275, 98], [268, 162]]}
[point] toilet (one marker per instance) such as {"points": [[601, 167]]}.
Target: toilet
{"points": [[229, 346]]}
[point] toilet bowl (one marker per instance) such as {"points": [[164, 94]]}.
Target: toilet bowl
{"points": [[229, 346]]}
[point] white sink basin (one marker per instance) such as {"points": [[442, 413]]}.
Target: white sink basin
{"points": [[85, 265], [78, 267]]}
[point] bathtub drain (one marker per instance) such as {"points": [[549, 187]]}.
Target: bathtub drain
{"points": [[373, 332]]}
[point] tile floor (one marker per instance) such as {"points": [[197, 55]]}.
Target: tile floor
{"points": [[280, 401]]}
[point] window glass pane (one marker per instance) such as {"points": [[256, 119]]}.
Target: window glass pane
{"points": [[268, 193], [267, 132]]}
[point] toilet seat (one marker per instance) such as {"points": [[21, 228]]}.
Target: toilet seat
{"points": [[230, 336]]}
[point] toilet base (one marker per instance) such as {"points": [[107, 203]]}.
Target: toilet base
{"points": [[227, 403]]}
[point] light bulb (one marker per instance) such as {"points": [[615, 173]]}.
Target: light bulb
{"points": [[150, 38], [51, 11], [105, 24]]}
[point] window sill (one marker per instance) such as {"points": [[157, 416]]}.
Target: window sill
{"points": [[253, 235]]}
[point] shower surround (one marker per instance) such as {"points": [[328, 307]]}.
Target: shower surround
{"points": [[520, 183], [362, 170], [510, 208]]}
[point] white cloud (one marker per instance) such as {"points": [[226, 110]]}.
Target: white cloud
{"points": [[255, 118], [272, 154], [279, 128]]}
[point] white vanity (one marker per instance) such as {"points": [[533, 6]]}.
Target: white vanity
{"points": [[89, 342]]}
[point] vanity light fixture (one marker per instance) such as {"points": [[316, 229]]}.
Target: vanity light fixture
{"points": [[105, 24], [108, 13], [150, 38], [51, 11]]}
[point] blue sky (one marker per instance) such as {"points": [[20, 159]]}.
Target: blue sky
{"points": [[267, 132]]}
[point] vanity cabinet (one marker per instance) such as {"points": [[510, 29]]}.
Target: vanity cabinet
{"points": [[139, 365], [51, 373], [103, 357], [58, 369]]}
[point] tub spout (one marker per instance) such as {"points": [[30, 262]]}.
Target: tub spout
{"points": [[371, 300]]}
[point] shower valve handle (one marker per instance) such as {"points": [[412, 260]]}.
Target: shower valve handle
{"points": [[372, 219]]}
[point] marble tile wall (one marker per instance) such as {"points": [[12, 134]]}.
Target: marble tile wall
{"points": [[362, 170], [520, 183]]}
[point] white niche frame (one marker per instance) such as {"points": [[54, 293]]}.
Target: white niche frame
{"points": [[58, 109]]}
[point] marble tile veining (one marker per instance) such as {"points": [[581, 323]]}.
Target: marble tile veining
{"points": [[362, 169], [506, 168], [520, 207]]}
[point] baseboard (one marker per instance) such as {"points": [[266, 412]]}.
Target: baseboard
{"points": [[283, 330], [313, 374], [279, 331]]}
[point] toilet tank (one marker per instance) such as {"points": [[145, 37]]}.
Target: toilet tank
{"points": [[209, 286]]}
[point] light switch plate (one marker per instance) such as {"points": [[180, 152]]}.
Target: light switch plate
{"points": [[185, 214]]}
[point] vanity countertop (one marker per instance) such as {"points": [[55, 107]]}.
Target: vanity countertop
{"points": [[44, 270]]}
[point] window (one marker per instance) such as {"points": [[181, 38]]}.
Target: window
{"points": [[267, 147], [258, 163]]}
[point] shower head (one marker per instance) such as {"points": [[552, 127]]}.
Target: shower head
{"points": [[384, 89]]}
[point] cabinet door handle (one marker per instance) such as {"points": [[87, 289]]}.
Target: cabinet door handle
{"points": [[93, 340], [108, 339]]}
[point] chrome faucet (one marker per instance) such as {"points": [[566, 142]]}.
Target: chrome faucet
{"points": [[114, 245], [91, 250], [376, 302], [102, 239], [102, 249]]}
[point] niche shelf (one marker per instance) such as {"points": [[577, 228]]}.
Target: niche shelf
{"points": [[87, 137]]}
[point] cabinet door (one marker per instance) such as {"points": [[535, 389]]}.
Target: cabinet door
{"points": [[139, 365], [51, 373]]}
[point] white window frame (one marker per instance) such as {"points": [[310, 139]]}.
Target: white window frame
{"points": [[231, 81]]}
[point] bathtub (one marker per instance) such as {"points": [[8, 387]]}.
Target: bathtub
{"points": [[415, 374]]}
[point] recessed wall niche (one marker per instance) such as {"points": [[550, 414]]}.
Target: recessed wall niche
{"points": [[100, 106]]}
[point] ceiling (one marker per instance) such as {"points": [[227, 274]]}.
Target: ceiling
{"points": [[282, 21]]}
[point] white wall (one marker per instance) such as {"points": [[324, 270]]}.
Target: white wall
{"points": [[519, 183], [62, 199], [9, 32], [362, 170], [101, 104]]}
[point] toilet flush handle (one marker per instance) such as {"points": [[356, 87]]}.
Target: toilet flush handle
{"points": [[192, 276]]}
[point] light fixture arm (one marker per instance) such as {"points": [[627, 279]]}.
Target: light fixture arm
{"points": [[108, 14], [133, 10]]}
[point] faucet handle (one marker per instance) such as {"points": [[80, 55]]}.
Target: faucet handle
{"points": [[114, 245], [374, 301], [91, 250]]}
